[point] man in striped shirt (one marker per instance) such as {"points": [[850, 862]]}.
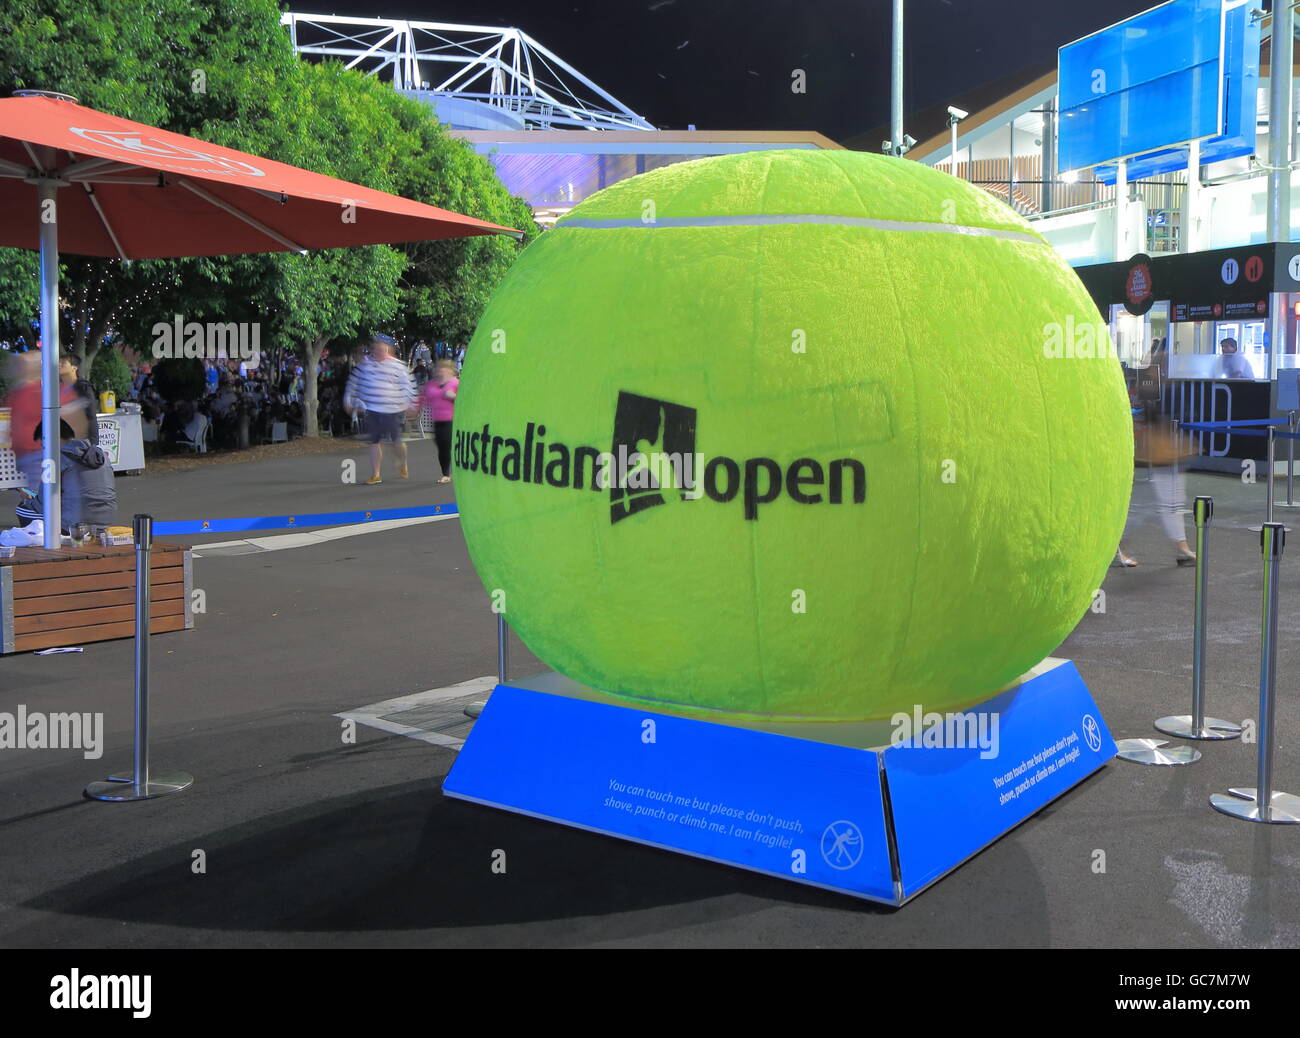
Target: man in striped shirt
{"points": [[382, 388]]}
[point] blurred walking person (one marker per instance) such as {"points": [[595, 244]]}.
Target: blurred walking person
{"points": [[85, 423], [1167, 496], [381, 388], [25, 417], [440, 397]]}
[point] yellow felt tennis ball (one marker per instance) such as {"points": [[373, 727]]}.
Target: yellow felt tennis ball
{"points": [[792, 434]]}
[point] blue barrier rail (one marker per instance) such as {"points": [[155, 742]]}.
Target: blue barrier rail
{"points": [[1245, 427], [1242, 423], [296, 522]]}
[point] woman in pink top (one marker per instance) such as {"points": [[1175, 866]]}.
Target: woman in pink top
{"points": [[440, 398]]}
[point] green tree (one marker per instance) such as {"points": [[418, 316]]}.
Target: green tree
{"points": [[447, 283], [332, 295], [19, 293], [110, 372], [121, 56], [179, 378], [226, 72]]}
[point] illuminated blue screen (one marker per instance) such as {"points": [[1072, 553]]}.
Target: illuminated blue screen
{"points": [[1187, 70]]}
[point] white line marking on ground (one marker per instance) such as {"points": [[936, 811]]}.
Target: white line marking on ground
{"points": [[303, 539], [375, 715]]}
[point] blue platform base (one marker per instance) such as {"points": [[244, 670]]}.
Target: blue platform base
{"points": [[848, 807]]}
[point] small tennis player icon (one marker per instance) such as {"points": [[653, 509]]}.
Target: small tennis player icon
{"points": [[842, 845]]}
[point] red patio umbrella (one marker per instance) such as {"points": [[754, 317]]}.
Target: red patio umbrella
{"points": [[98, 185]]}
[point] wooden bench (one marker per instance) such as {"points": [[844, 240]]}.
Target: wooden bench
{"points": [[72, 596]]}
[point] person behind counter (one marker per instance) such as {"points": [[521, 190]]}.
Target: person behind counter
{"points": [[1234, 364]]}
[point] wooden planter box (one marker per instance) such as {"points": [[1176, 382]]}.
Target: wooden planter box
{"points": [[77, 595]]}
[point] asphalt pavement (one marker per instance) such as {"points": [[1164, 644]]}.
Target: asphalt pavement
{"points": [[305, 839]]}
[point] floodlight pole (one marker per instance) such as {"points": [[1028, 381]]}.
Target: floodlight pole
{"points": [[1280, 123], [1192, 199], [896, 100], [1123, 248]]}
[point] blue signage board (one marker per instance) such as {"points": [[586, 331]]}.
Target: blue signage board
{"points": [[1241, 42], [787, 807], [810, 811], [1288, 390], [1186, 70], [949, 804]]}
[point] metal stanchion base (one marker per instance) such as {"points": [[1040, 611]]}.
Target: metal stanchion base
{"points": [[1284, 809], [1257, 529], [1283, 504], [474, 709], [157, 786], [1148, 751], [1213, 728]]}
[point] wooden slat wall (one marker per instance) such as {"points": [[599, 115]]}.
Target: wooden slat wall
{"points": [[72, 619], [98, 633], [94, 599], [94, 582], [77, 596], [988, 173]]}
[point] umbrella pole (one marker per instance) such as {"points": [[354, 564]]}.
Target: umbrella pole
{"points": [[49, 239]]}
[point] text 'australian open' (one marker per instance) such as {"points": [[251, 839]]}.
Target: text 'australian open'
{"points": [[638, 477]]}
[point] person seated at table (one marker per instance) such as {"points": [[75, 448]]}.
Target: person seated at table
{"points": [[176, 420], [87, 491]]}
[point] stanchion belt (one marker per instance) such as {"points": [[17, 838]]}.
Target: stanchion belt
{"points": [[1197, 426], [1244, 423], [285, 522], [1245, 427]]}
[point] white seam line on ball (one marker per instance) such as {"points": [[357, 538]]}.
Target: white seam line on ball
{"points": [[768, 220]]}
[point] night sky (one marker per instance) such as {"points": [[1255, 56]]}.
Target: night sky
{"points": [[726, 64]]}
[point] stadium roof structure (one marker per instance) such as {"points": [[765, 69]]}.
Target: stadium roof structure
{"points": [[490, 77], [527, 111]]}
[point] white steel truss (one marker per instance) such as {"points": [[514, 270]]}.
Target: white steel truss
{"points": [[503, 68]]}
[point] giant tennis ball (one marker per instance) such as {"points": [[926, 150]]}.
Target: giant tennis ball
{"points": [[911, 469]]}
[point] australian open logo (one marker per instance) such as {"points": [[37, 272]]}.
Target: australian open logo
{"points": [[653, 461], [642, 424]]}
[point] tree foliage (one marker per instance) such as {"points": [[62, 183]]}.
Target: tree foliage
{"points": [[225, 72], [110, 372], [179, 378]]}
